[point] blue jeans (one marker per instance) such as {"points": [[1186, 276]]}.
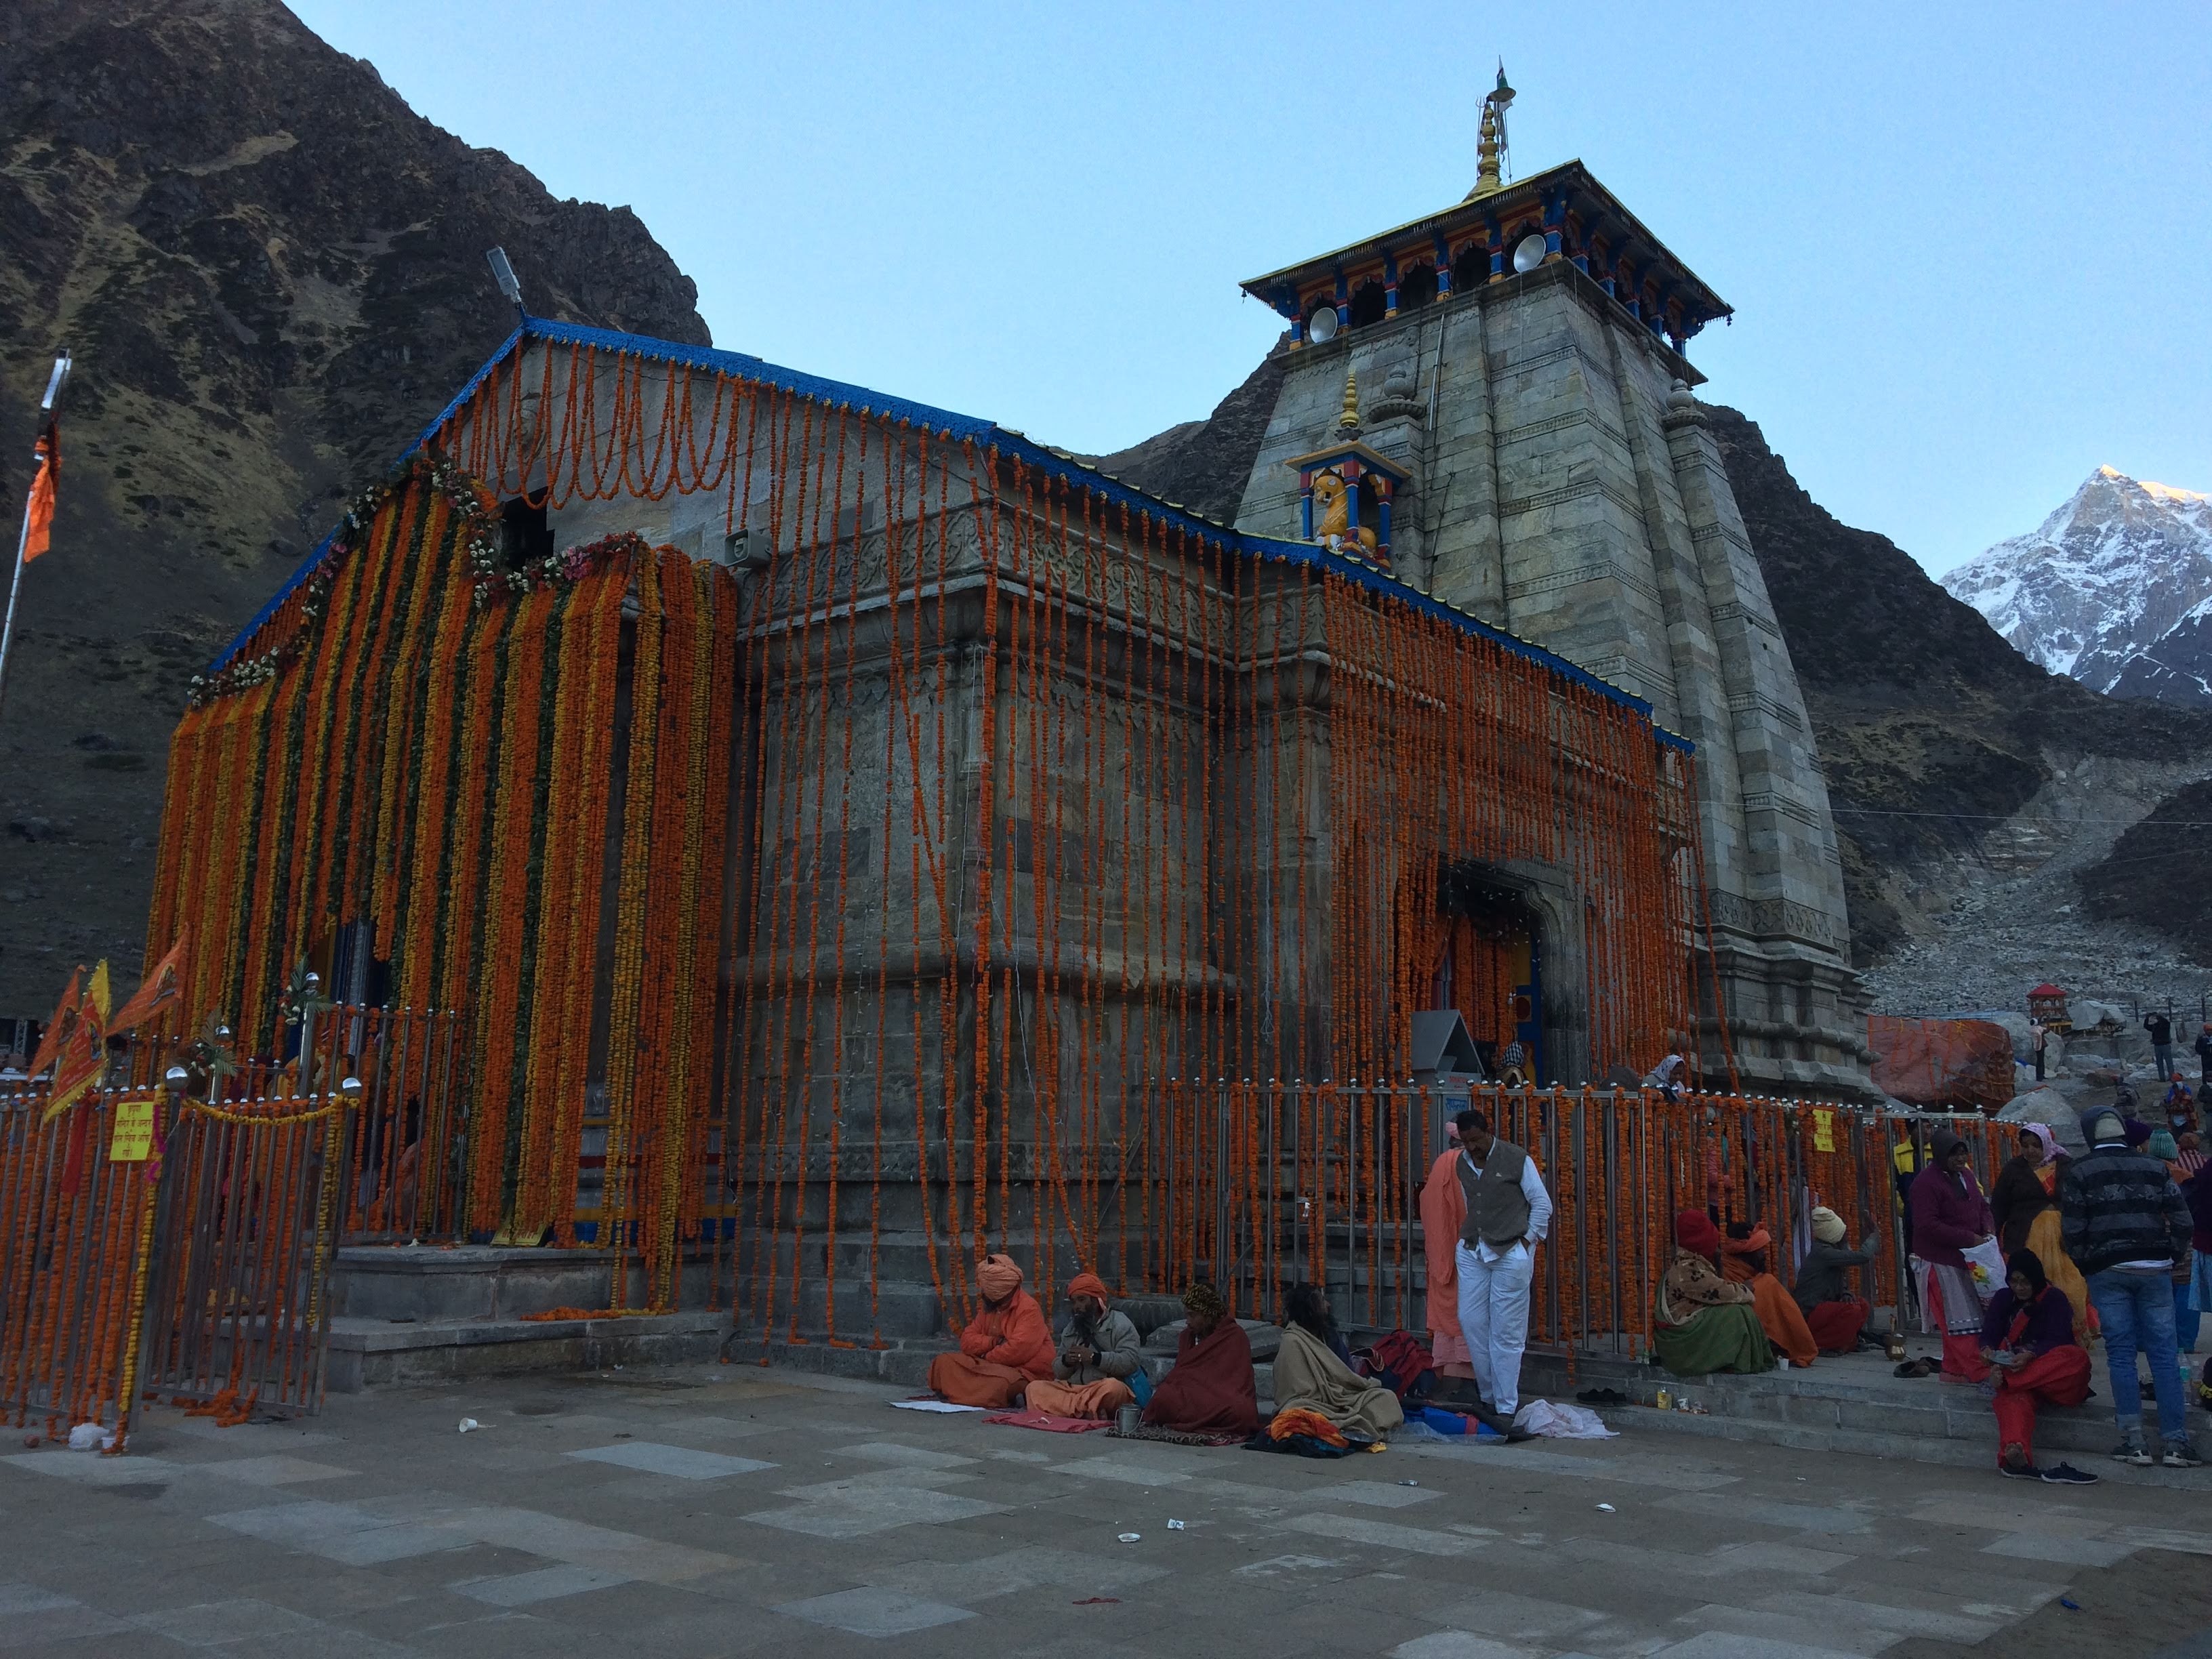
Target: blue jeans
{"points": [[2137, 1311], [2188, 1317]]}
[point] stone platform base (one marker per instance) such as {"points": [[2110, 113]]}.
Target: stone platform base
{"points": [[1854, 1404], [368, 1354], [421, 1314]]}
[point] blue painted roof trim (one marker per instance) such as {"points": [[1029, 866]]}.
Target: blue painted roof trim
{"points": [[1052, 462]]}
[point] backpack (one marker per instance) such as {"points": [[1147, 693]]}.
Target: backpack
{"points": [[1400, 1364]]}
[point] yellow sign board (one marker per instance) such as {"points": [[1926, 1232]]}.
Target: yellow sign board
{"points": [[1824, 1130], [133, 1141]]}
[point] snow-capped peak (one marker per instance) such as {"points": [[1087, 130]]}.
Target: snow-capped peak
{"points": [[2102, 583]]}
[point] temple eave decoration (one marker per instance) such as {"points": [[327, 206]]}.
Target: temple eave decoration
{"points": [[1562, 216]]}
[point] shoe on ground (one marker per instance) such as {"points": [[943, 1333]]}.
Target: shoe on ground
{"points": [[2128, 1451], [2014, 1464], [2182, 1456], [2065, 1474]]}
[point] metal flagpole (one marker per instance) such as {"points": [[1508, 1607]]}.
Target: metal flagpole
{"points": [[54, 384]]}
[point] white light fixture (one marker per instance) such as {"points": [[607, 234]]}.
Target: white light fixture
{"points": [[1322, 326], [1528, 253], [503, 273]]}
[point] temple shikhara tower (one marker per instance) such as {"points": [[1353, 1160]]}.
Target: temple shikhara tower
{"points": [[1501, 393]]}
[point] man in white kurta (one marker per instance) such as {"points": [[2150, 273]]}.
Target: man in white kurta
{"points": [[1508, 1213]]}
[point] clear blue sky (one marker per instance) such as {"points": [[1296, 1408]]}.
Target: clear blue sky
{"points": [[1969, 247]]}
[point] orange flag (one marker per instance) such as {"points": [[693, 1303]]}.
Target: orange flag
{"points": [[161, 988], [58, 1028], [41, 516], [84, 1049]]}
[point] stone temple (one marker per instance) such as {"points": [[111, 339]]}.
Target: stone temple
{"points": [[1513, 371], [855, 834]]}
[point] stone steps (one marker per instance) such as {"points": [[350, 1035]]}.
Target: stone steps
{"points": [[1852, 1404], [368, 1354]]}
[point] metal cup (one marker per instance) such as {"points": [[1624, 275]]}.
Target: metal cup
{"points": [[1128, 1418]]}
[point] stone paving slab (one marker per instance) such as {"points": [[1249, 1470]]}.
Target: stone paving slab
{"points": [[718, 1511]]}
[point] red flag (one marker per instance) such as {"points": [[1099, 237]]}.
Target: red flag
{"points": [[161, 988], [50, 1040], [41, 514]]}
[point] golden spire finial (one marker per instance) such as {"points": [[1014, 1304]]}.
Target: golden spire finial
{"points": [[1349, 420], [1490, 144], [1486, 171]]}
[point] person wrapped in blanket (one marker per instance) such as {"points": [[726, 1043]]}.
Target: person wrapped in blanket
{"points": [[1210, 1389], [1315, 1387], [1005, 1347], [2027, 1341], [1701, 1321], [1098, 1355]]}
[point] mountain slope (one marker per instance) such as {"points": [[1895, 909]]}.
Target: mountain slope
{"points": [[2110, 589], [1933, 730], [270, 272], [1205, 465], [2153, 875]]}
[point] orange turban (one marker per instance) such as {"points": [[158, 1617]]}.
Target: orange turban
{"points": [[1087, 1285], [999, 1277]]}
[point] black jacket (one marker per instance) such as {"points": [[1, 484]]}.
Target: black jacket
{"points": [[2116, 1205], [2203, 1047], [2161, 1029]]}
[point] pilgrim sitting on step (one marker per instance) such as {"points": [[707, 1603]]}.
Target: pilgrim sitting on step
{"points": [[1211, 1390], [1099, 1353]]}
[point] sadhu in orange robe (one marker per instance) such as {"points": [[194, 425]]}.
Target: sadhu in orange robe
{"points": [[1007, 1347], [1779, 1315]]}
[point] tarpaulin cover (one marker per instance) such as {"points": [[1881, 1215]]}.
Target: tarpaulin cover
{"points": [[1941, 1062]]}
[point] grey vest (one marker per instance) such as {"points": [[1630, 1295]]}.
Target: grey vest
{"points": [[1496, 1208]]}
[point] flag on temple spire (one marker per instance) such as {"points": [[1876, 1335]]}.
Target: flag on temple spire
{"points": [[161, 988], [39, 517]]}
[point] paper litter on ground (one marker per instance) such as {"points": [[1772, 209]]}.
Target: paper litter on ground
{"points": [[932, 1406]]}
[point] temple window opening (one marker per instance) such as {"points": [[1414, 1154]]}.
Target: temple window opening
{"points": [[1370, 303], [1470, 268], [1417, 286], [525, 531]]}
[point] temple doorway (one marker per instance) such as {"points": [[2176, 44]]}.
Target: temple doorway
{"points": [[1491, 970]]}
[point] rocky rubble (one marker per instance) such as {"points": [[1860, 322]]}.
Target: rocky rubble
{"points": [[2017, 914]]}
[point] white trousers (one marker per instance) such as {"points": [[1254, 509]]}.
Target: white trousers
{"points": [[1493, 1319]]}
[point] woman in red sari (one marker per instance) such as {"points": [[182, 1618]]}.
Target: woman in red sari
{"points": [[1950, 1216], [2027, 1342]]}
